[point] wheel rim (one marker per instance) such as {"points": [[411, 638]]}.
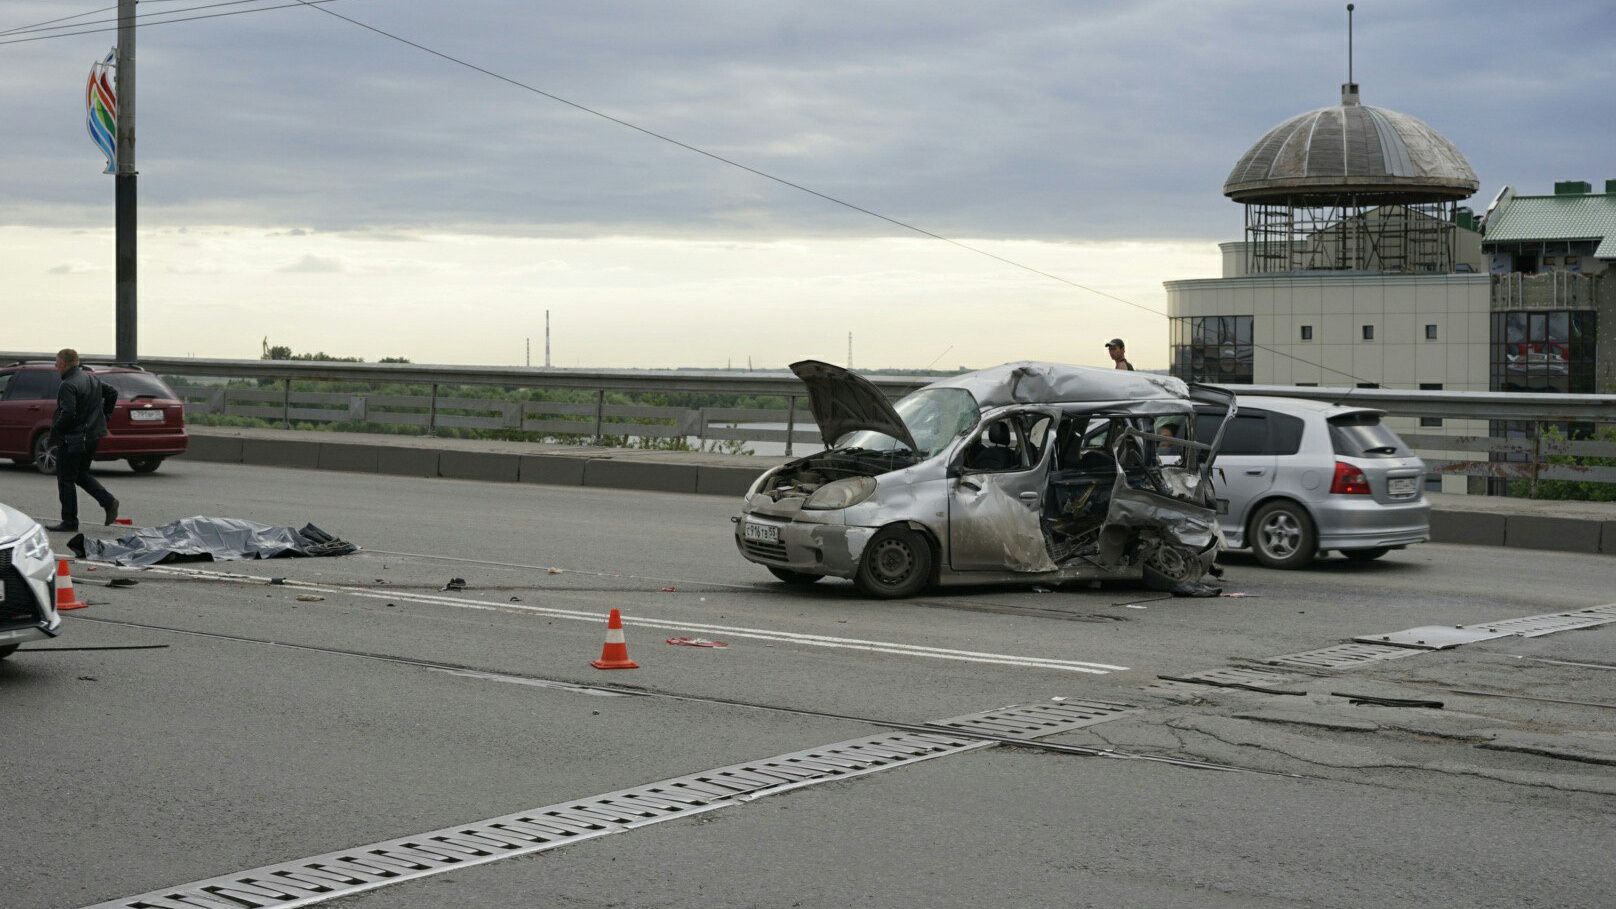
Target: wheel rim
{"points": [[1281, 534], [891, 563], [45, 455], [1171, 562]]}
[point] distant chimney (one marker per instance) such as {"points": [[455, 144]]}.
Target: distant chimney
{"points": [[1573, 188], [1610, 187], [1349, 94]]}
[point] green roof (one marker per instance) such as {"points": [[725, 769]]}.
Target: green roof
{"points": [[1571, 217]]}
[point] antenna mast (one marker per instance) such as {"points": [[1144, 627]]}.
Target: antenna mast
{"points": [[1349, 43]]}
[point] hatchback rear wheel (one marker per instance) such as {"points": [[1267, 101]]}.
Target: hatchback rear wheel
{"points": [[1282, 535], [145, 465]]}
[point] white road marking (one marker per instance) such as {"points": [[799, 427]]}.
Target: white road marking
{"points": [[760, 634]]}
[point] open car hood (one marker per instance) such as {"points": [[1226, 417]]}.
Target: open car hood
{"points": [[843, 402]]}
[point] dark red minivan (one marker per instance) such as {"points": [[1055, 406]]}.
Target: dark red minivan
{"points": [[147, 425]]}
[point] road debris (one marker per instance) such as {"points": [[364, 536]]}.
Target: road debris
{"points": [[454, 584], [668, 589], [1371, 700], [122, 582], [309, 598], [215, 539], [696, 642]]}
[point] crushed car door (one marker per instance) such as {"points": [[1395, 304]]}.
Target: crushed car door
{"points": [[996, 494]]}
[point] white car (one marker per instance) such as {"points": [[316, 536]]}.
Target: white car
{"points": [[28, 581]]}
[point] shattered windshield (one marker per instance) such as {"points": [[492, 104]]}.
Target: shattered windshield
{"points": [[934, 417]]}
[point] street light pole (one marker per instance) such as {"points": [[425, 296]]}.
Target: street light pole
{"points": [[124, 189]]}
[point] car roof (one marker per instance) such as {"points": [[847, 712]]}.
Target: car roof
{"points": [[1031, 382]]}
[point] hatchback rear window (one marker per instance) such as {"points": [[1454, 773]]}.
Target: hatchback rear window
{"points": [[1361, 435], [130, 385]]}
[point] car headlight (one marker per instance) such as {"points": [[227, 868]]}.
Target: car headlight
{"points": [[757, 484], [35, 546], [841, 494]]}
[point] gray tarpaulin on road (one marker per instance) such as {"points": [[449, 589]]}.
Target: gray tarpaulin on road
{"points": [[218, 539]]}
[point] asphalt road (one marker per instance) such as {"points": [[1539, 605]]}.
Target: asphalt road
{"points": [[258, 727]]}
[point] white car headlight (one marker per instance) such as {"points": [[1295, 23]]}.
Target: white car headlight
{"points": [[35, 546], [841, 494]]}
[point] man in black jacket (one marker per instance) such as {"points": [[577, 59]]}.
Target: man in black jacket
{"points": [[82, 406]]}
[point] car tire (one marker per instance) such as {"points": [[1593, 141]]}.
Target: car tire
{"points": [[1282, 535], [794, 578], [897, 563], [1366, 555], [145, 465], [44, 455], [8, 650]]}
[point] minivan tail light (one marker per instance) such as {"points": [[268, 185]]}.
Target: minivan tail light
{"points": [[1349, 480]]}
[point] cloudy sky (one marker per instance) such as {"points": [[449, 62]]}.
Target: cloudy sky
{"points": [[324, 185]]}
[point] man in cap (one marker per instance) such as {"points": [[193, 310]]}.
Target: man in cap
{"points": [[1119, 353]]}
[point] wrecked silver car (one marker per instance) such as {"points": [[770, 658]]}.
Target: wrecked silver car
{"points": [[1026, 472]]}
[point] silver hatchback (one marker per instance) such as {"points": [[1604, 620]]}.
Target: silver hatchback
{"points": [[1303, 477]]}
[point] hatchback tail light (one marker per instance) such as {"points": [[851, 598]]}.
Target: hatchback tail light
{"points": [[1349, 480]]}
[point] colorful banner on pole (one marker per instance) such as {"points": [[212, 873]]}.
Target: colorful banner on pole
{"points": [[101, 109]]}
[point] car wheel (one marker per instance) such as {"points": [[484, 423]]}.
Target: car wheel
{"points": [[8, 650], [44, 455], [897, 563], [794, 578], [145, 465], [1282, 535], [1365, 555], [1172, 565]]}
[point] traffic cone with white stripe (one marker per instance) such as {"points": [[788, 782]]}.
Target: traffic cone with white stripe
{"points": [[615, 654], [65, 597]]}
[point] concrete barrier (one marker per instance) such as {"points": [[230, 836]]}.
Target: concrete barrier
{"points": [[652, 476], [280, 453], [1558, 534], [479, 465], [1469, 528], [350, 458], [407, 462], [1578, 527], [551, 470]]}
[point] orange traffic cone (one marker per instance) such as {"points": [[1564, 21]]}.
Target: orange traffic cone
{"points": [[65, 597], [615, 654]]}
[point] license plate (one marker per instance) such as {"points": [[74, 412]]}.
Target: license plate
{"points": [[146, 416], [763, 533], [1403, 486]]}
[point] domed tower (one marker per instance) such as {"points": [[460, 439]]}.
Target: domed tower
{"points": [[1351, 188]]}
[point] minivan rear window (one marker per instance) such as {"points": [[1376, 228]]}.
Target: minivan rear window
{"points": [[135, 384], [1361, 435]]}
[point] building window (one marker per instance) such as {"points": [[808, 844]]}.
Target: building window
{"points": [[1369, 332], [1368, 384], [1550, 351], [1430, 386], [1216, 349], [1307, 332], [1430, 332]]}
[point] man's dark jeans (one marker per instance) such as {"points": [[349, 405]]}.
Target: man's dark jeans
{"points": [[73, 469]]}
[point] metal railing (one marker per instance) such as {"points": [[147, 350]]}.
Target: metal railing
{"points": [[1524, 451]]}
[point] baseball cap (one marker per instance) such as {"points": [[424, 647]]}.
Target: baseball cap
{"points": [[1115, 342]]}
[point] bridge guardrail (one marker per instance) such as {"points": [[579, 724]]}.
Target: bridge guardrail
{"points": [[1525, 451]]}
